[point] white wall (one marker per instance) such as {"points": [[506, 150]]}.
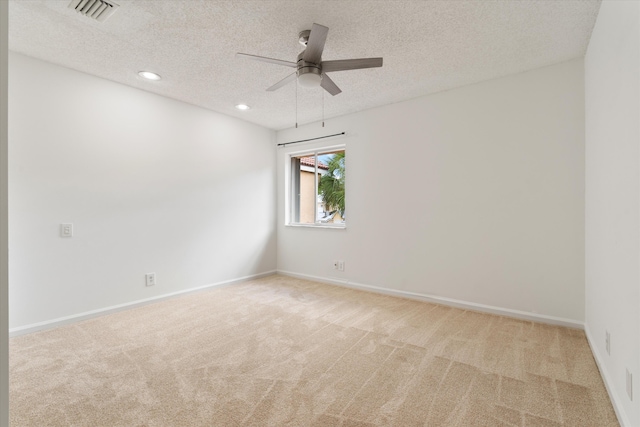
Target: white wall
{"points": [[474, 194], [4, 298], [150, 185], [612, 84]]}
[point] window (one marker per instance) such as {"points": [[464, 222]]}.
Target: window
{"points": [[318, 188]]}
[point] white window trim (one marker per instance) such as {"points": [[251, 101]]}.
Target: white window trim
{"points": [[289, 188]]}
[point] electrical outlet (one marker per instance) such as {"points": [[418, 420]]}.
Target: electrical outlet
{"points": [[341, 265], [607, 342], [66, 230], [150, 279], [629, 385]]}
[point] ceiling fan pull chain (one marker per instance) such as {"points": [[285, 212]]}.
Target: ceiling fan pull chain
{"points": [[296, 105], [322, 107]]}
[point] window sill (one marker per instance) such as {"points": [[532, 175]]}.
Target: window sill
{"points": [[336, 226]]}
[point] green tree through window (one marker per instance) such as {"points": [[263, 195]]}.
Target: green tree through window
{"points": [[331, 185]]}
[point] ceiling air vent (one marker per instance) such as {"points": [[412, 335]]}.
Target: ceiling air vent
{"points": [[99, 10]]}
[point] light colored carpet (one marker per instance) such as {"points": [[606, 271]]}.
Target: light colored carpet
{"points": [[285, 352]]}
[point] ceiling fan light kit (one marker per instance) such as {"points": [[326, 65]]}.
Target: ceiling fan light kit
{"points": [[310, 69], [309, 77]]}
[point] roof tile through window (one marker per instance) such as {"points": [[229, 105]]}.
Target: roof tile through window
{"points": [[310, 161]]}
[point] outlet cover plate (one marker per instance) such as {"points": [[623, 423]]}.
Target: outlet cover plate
{"points": [[150, 279]]}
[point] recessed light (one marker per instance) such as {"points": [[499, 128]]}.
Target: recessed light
{"points": [[243, 107], [149, 75]]}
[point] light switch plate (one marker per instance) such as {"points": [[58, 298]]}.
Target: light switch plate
{"points": [[66, 230]]}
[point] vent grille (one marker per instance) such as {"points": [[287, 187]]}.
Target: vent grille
{"points": [[99, 10]]}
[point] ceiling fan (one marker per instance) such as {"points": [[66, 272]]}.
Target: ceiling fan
{"points": [[310, 68]]}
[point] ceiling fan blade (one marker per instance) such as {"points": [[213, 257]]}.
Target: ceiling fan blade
{"points": [[350, 64], [270, 60], [328, 85], [315, 45], [291, 77]]}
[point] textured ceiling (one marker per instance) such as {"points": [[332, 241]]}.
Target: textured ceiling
{"points": [[428, 46]]}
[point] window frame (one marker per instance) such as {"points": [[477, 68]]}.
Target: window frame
{"points": [[290, 197]]}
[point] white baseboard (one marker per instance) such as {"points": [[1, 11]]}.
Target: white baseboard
{"points": [[523, 315], [535, 317], [606, 378], [50, 324]]}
